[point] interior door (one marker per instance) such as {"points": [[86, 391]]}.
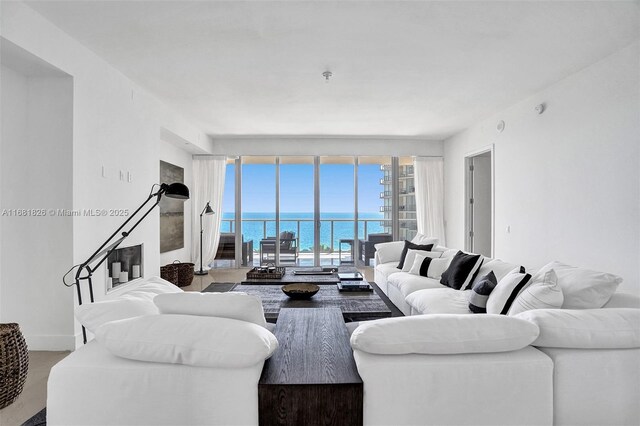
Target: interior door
{"points": [[481, 201]]}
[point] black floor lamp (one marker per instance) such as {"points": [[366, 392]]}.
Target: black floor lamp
{"points": [[208, 211], [175, 190]]}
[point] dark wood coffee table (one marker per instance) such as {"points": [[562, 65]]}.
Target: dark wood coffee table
{"points": [[312, 378], [355, 306]]}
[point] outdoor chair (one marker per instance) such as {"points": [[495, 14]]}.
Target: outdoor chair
{"points": [[288, 249], [368, 247], [227, 248]]}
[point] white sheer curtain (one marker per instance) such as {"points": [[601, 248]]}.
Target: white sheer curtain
{"points": [[429, 183], [208, 185]]}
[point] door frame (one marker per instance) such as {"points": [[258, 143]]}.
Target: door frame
{"points": [[468, 192]]}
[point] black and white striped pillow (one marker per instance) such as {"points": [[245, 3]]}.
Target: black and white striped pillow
{"points": [[507, 290], [480, 291], [462, 270]]}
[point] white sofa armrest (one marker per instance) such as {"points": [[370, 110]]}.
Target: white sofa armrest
{"points": [[444, 334], [586, 328]]}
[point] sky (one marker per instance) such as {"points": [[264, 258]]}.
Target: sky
{"points": [[296, 188]]}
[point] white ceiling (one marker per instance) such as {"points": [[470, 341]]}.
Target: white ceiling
{"points": [[399, 68]]}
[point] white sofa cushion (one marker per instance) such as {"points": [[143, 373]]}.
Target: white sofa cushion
{"points": [[190, 340], [623, 300], [444, 334], [586, 329], [582, 288], [389, 252], [412, 255], [387, 269], [543, 294], [500, 269], [132, 302], [234, 305], [439, 301], [506, 291], [407, 283]]}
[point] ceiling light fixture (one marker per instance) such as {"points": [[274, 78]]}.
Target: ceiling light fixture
{"points": [[327, 75]]}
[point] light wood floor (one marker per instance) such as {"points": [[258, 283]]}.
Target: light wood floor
{"points": [[34, 395]]}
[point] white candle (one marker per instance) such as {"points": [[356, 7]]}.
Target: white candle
{"points": [[115, 270], [135, 273], [124, 277]]}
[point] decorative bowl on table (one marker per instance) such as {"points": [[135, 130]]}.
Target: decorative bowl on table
{"points": [[300, 291]]}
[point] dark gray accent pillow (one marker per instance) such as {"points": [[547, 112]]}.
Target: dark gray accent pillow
{"points": [[480, 292], [409, 245]]}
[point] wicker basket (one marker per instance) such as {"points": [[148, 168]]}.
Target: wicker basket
{"points": [[169, 273], [185, 273], [14, 363], [178, 273]]}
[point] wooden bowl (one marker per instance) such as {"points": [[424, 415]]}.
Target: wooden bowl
{"points": [[300, 291]]}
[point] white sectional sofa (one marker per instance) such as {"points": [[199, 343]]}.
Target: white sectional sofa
{"points": [[582, 369], [162, 357]]}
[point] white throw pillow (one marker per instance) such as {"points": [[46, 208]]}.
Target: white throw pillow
{"points": [[389, 252], [586, 328], [506, 291], [436, 267], [132, 302], [190, 340], [422, 240], [410, 259], [443, 334], [146, 288], [500, 269], [234, 305], [93, 315], [583, 288], [543, 294]]}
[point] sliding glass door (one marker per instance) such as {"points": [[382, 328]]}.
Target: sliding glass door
{"points": [[259, 226], [296, 213], [316, 210], [337, 210]]}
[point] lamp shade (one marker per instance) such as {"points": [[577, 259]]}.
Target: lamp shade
{"points": [[207, 209], [176, 190]]}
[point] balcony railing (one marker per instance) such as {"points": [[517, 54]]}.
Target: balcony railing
{"points": [[268, 225]]}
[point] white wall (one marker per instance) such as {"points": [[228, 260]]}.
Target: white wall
{"points": [[116, 125], [290, 145], [567, 181], [36, 156], [173, 154]]}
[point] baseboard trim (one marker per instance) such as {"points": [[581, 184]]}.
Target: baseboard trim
{"points": [[51, 342]]}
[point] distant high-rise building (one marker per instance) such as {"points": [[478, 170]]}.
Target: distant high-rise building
{"points": [[406, 200]]}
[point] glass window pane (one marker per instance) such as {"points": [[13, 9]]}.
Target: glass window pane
{"points": [[374, 205], [407, 199], [296, 209], [259, 205], [336, 210]]}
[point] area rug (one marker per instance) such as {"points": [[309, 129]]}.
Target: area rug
{"points": [[219, 287], [40, 419]]}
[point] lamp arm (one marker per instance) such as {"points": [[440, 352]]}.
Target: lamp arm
{"points": [[126, 233]]}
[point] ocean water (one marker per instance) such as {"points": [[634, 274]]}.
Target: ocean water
{"points": [[256, 225]]}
